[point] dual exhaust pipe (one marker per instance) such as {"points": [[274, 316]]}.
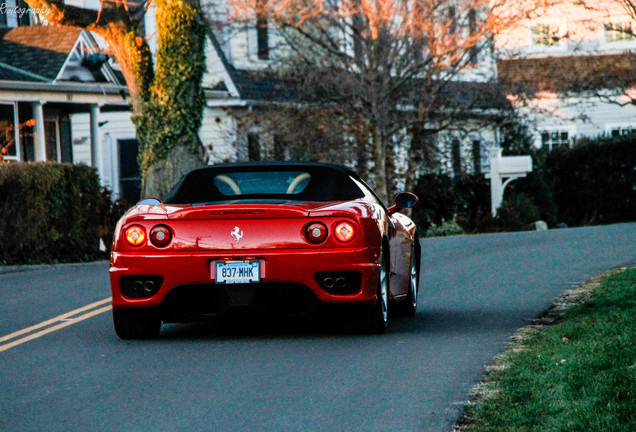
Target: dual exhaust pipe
{"points": [[141, 286], [330, 282], [339, 282]]}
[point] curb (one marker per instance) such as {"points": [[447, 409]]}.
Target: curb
{"points": [[35, 267]]}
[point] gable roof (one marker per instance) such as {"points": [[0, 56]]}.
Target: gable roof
{"points": [[49, 54], [36, 53], [249, 85]]}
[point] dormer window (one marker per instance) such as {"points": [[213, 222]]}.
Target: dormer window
{"points": [[547, 35], [262, 38], [262, 31]]}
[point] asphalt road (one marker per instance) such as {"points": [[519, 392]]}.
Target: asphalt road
{"points": [[76, 375]]}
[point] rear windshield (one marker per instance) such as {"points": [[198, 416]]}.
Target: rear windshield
{"points": [[263, 182]]}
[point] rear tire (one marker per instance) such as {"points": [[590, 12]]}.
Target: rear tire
{"points": [[136, 324], [376, 319]]}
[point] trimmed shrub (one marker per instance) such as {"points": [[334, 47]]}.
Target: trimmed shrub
{"points": [[50, 213]]}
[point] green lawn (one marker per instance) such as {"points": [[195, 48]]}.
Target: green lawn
{"points": [[576, 375]]}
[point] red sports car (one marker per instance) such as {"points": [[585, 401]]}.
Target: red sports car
{"points": [[275, 238]]}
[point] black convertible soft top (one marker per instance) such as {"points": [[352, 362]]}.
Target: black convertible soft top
{"points": [[229, 182]]}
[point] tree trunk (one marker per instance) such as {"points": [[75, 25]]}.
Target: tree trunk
{"points": [[171, 117], [167, 104], [379, 163], [162, 175]]}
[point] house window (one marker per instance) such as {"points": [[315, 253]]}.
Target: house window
{"points": [[452, 20], [8, 145], [51, 140], [619, 32], [456, 156], [253, 147], [548, 35], [358, 25], [472, 24], [280, 148], [621, 130], [262, 38], [555, 138], [477, 156]]}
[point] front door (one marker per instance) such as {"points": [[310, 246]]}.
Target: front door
{"points": [[129, 176]]}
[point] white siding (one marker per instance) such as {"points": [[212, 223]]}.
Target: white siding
{"points": [[487, 137], [219, 137], [581, 24], [115, 126], [584, 117]]}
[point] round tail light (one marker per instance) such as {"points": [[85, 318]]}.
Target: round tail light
{"points": [[160, 235], [344, 231], [135, 235], [316, 232]]}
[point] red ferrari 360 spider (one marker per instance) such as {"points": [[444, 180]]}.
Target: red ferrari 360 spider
{"points": [[275, 238]]}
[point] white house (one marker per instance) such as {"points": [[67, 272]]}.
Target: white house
{"points": [[48, 76], [567, 60], [82, 114], [241, 57]]}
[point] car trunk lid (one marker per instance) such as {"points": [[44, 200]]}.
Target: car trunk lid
{"points": [[242, 226]]}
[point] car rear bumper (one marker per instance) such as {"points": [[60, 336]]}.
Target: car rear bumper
{"points": [[281, 271]]}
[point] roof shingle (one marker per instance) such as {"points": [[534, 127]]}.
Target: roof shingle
{"points": [[39, 50]]}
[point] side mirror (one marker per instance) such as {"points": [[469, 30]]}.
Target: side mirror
{"points": [[149, 201], [403, 200]]}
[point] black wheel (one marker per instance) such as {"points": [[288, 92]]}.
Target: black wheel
{"points": [[408, 307], [136, 324], [375, 320]]}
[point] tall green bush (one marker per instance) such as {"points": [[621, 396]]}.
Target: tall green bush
{"points": [[595, 182], [50, 213], [529, 198], [437, 200], [465, 200]]}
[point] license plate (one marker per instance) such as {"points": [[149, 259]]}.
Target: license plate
{"points": [[234, 272]]}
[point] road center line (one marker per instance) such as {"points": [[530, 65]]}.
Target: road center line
{"points": [[62, 319]]}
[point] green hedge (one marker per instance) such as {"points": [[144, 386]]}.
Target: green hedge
{"points": [[465, 201], [50, 213], [594, 182]]}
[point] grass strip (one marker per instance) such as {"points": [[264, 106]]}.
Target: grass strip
{"points": [[576, 374]]}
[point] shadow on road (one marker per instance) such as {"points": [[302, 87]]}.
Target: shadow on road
{"points": [[252, 328], [427, 321], [463, 321]]}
